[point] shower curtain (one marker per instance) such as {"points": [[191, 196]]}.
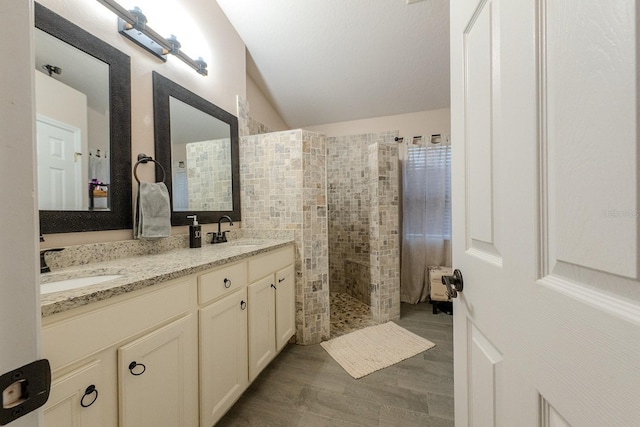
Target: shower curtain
{"points": [[426, 216]]}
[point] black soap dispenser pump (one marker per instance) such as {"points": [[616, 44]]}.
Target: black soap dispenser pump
{"points": [[195, 239]]}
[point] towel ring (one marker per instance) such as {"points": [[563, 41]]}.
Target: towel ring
{"points": [[143, 158]]}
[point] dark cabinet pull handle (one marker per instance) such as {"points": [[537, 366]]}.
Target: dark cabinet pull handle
{"points": [[274, 286], [281, 280], [133, 365], [227, 283], [243, 305], [91, 390]]}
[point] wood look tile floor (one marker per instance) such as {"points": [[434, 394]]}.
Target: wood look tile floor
{"points": [[305, 387]]}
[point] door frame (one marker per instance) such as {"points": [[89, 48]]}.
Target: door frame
{"points": [[19, 292]]}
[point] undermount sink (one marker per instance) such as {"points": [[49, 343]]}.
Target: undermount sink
{"points": [[75, 283]]}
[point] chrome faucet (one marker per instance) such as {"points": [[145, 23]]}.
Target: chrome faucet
{"points": [[221, 236]]}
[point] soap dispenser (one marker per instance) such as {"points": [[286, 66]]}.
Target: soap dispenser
{"points": [[195, 239]]}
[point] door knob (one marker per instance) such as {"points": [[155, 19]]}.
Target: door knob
{"points": [[453, 283]]}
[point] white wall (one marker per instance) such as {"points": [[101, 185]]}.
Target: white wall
{"points": [[227, 79], [409, 125], [261, 109]]}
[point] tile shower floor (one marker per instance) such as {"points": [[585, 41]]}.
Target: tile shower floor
{"points": [[348, 314]]}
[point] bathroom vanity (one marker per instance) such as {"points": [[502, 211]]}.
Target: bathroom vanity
{"points": [[175, 340]]}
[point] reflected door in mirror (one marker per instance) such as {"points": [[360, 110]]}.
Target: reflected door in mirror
{"points": [[72, 98]]}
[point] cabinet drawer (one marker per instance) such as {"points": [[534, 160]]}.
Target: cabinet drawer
{"points": [[102, 327], [221, 282], [262, 265]]}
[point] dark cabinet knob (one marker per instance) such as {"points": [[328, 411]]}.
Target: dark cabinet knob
{"points": [[89, 397], [139, 366]]}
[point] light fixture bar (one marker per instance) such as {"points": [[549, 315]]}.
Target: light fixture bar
{"points": [[133, 25]]}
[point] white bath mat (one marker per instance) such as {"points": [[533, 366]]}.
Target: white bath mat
{"points": [[376, 347]]}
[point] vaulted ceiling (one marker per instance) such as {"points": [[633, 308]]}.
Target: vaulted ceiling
{"points": [[327, 61]]}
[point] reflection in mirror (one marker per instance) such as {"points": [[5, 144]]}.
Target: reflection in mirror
{"points": [[201, 160], [198, 141], [83, 115], [72, 126]]}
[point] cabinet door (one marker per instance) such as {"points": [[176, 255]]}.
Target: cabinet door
{"points": [[158, 377], [68, 395], [223, 355], [262, 325], [285, 306]]}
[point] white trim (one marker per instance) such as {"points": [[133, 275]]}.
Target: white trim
{"points": [[594, 298]]}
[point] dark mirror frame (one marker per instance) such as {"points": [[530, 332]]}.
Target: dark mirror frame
{"points": [[164, 88], [120, 214]]}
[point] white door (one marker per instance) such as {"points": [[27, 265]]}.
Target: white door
{"points": [[546, 187], [59, 165], [19, 292]]}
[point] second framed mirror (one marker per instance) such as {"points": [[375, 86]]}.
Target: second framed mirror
{"points": [[197, 143]]}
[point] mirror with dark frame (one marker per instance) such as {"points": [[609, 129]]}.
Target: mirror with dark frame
{"points": [[197, 143], [83, 129]]}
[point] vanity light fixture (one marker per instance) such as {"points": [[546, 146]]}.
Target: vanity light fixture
{"points": [[133, 25]]}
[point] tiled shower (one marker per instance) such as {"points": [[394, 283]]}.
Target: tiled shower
{"points": [[339, 196], [362, 182]]}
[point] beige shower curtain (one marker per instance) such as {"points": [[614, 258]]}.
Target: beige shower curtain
{"points": [[426, 216]]}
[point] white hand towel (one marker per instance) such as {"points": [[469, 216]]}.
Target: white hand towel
{"points": [[153, 211]]}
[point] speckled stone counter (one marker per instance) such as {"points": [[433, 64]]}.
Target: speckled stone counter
{"points": [[141, 271]]}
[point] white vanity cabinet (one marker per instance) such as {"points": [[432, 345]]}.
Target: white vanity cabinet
{"points": [[73, 400], [271, 298], [177, 353], [156, 377], [154, 327], [223, 340]]}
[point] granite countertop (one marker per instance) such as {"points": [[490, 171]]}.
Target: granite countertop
{"points": [[147, 270]]}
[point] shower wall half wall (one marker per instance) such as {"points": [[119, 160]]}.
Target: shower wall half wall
{"points": [[285, 177], [363, 198], [283, 187]]}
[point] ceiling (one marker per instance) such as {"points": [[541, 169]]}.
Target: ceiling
{"points": [[328, 61]]}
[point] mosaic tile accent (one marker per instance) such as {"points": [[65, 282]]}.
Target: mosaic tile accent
{"points": [[384, 232], [283, 187], [209, 175], [348, 314]]}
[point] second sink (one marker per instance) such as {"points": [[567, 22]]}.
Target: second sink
{"points": [[75, 283]]}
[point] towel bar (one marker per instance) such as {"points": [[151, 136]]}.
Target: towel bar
{"points": [[143, 158]]}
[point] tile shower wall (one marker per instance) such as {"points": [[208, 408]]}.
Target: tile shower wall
{"points": [[209, 175], [283, 186], [384, 232], [246, 124], [357, 164]]}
